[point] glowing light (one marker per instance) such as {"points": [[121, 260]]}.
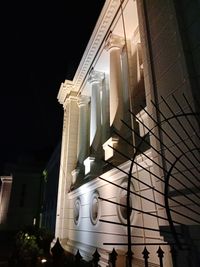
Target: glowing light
{"points": [[45, 175], [43, 260], [34, 221]]}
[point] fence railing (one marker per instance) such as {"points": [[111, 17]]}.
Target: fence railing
{"points": [[178, 170], [61, 259]]}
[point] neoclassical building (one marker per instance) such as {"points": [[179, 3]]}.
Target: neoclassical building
{"points": [[129, 169]]}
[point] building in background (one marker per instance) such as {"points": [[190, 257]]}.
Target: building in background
{"points": [[25, 193], [129, 167], [50, 191]]}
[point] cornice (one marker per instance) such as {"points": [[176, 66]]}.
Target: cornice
{"points": [[64, 91], [100, 31]]}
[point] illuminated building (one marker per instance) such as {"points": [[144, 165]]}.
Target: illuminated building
{"points": [[136, 83]]}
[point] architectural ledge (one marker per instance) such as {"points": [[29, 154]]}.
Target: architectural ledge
{"points": [[88, 163], [108, 147]]}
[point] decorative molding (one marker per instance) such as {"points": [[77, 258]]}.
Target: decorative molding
{"points": [[65, 89], [83, 100], [72, 96], [99, 33], [96, 76], [102, 26]]}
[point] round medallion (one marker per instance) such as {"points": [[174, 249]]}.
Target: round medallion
{"points": [[94, 208], [77, 210], [122, 200]]}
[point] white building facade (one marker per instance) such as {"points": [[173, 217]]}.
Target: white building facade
{"points": [[129, 121]]}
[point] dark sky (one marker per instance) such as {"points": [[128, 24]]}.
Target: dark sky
{"points": [[41, 45]]}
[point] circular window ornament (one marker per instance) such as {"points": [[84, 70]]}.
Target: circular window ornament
{"points": [[94, 208], [77, 210], [122, 200]]}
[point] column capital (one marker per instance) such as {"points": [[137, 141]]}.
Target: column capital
{"points": [[114, 41], [83, 100], [95, 76], [6, 179]]}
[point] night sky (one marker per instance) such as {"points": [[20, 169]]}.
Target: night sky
{"points": [[42, 43]]}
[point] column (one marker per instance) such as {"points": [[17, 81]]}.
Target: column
{"points": [[114, 45], [68, 160], [83, 128], [6, 186], [95, 79], [58, 228]]}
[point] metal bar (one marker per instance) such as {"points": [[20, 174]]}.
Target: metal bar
{"points": [[180, 192], [145, 256], [145, 212], [150, 131], [194, 113], [134, 193], [160, 253], [140, 244], [150, 200], [151, 187], [148, 213], [166, 170], [181, 127], [171, 224], [174, 142], [139, 227]]}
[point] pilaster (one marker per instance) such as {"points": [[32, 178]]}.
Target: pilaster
{"points": [[68, 159]]}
